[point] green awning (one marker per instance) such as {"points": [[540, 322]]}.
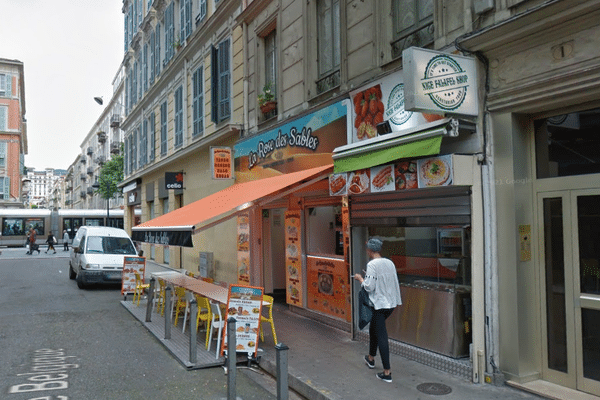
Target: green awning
{"points": [[356, 160]]}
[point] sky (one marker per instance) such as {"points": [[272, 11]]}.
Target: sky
{"points": [[71, 51]]}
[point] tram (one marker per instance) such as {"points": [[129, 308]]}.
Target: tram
{"points": [[17, 222]]}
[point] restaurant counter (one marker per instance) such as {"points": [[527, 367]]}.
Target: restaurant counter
{"points": [[432, 317]]}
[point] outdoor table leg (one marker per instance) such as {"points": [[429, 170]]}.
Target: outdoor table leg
{"points": [[168, 313], [193, 333], [150, 300], [231, 359], [282, 371]]}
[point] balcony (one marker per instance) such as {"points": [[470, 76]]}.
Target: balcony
{"points": [[115, 147], [115, 121], [101, 136], [90, 171], [90, 191], [82, 194], [68, 202], [83, 160], [100, 160], [83, 177], [90, 151]]}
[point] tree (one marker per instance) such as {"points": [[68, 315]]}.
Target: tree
{"points": [[111, 174]]}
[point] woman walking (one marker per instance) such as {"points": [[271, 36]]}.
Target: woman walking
{"points": [[51, 240], [381, 283]]}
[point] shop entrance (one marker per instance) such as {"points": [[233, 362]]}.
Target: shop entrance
{"points": [[273, 224], [569, 226]]}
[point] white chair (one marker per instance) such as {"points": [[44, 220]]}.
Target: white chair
{"points": [[218, 323]]}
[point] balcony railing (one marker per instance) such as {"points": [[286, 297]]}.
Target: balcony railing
{"points": [[90, 151], [90, 191], [100, 160], [101, 136], [115, 121], [115, 147], [83, 177]]}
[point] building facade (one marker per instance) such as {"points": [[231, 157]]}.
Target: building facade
{"points": [[13, 132], [42, 184]]}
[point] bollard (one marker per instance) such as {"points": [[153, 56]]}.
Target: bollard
{"points": [[281, 358], [150, 300], [231, 359], [168, 312], [193, 333]]}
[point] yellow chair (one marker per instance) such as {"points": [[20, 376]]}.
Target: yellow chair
{"points": [[204, 314], [140, 286], [181, 304], [268, 304]]}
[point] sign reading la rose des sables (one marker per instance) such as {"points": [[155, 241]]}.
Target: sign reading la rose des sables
{"points": [[439, 82]]}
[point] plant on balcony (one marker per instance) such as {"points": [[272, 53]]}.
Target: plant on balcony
{"points": [[266, 99]]}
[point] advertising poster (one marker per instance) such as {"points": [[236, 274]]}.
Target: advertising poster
{"points": [[221, 162], [131, 265], [293, 258], [244, 304], [303, 143], [328, 286], [338, 184], [435, 171], [380, 101], [243, 248]]}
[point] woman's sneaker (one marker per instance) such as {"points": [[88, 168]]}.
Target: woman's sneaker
{"points": [[370, 364], [384, 377]]}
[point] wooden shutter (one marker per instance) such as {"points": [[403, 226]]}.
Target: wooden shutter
{"points": [[2, 148], [6, 188], [8, 86], [152, 136], [3, 118], [157, 51], [224, 80], [214, 69]]}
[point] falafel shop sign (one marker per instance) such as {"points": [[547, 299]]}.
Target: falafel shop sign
{"points": [[439, 82]]}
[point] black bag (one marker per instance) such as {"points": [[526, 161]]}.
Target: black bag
{"points": [[365, 308], [34, 247]]}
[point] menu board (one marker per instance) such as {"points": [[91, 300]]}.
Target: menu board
{"points": [[221, 162], [243, 248], [328, 286], [293, 260], [131, 265], [244, 304]]}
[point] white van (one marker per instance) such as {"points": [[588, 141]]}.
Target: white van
{"points": [[97, 255]]}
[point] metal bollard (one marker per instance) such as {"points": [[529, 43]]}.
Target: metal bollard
{"points": [[168, 312], [281, 358], [150, 300], [193, 333], [231, 359]]}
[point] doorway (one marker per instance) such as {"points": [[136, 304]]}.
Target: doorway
{"points": [[569, 226], [274, 251]]}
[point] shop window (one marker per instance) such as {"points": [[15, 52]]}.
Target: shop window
{"points": [[412, 24], [568, 144], [324, 227], [427, 254]]}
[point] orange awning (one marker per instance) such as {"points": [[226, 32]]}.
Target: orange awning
{"points": [[175, 228]]}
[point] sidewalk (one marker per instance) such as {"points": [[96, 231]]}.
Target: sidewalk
{"points": [[324, 363]]}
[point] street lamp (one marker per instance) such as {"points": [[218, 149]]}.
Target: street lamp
{"points": [[96, 186]]}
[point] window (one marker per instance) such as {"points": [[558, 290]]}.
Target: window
{"points": [[145, 68], [220, 82], [134, 84], [157, 50], [324, 226], [169, 32], [163, 129], [13, 227], [3, 118], [271, 60], [5, 187], [328, 44], [126, 31], [198, 102], [152, 122], [134, 146], [3, 154], [179, 116], [202, 10], [144, 144], [152, 49], [185, 11], [126, 157], [412, 22], [5, 85]]}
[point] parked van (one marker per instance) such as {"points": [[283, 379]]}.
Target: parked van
{"points": [[97, 255]]}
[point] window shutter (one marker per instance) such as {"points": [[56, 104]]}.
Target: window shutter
{"points": [[214, 69], [152, 136], [181, 20], [6, 187], [202, 9], [224, 99], [151, 58], [126, 32], [2, 153], [3, 118], [157, 51], [9, 85], [163, 128], [188, 19]]}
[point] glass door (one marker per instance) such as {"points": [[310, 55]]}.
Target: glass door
{"points": [[569, 226]]}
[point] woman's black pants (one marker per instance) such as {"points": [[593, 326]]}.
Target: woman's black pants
{"points": [[378, 336]]}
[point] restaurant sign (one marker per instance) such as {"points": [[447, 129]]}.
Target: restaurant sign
{"points": [[244, 304], [173, 180], [163, 238], [221, 162], [439, 82], [131, 265]]}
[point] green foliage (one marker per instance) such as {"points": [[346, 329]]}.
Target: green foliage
{"points": [[111, 174], [266, 95]]}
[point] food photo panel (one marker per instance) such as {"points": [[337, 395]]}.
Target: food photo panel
{"points": [[338, 184], [382, 178], [435, 171]]}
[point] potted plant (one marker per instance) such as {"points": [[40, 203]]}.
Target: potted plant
{"points": [[177, 44], [266, 100]]}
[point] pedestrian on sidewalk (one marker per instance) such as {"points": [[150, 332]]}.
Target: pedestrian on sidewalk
{"points": [[381, 283], [33, 246], [66, 240], [51, 240], [27, 243]]}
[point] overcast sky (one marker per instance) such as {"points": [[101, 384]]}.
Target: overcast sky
{"points": [[71, 51]]}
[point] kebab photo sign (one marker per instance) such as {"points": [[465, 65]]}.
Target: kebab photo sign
{"points": [[131, 265], [244, 303]]}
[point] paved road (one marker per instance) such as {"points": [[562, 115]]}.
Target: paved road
{"points": [[60, 342]]}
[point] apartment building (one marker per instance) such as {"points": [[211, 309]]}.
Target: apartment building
{"points": [[13, 132], [42, 184]]}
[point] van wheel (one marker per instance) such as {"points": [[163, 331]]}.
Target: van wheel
{"points": [[80, 283], [72, 274]]}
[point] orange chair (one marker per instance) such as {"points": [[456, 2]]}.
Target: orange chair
{"points": [[268, 304]]}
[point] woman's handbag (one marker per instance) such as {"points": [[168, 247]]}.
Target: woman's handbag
{"points": [[365, 308]]}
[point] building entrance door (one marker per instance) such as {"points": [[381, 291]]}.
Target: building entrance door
{"points": [[569, 226]]}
